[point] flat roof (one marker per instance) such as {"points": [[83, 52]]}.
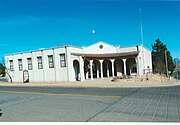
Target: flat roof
{"points": [[74, 47], [41, 49]]}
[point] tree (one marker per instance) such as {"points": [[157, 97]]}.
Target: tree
{"points": [[158, 58], [5, 71], [2, 70]]}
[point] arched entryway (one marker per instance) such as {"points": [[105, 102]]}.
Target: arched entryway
{"points": [[86, 69], [96, 69], [25, 76], [76, 69], [107, 68], [131, 66], [118, 67]]}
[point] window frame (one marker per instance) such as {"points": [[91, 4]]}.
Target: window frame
{"points": [[20, 64], [62, 60], [11, 65], [29, 61], [51, 61], [40, 64]]}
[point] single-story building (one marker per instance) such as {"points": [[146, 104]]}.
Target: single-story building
{"points": [[71, 63]]}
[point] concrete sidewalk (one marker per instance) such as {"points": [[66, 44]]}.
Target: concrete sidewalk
{"points": [[98, 83]]}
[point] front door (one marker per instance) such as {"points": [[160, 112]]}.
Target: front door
{"points": [[25, 76]]}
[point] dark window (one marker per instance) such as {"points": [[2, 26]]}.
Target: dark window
{"points": [[11, 65], [51, 63], [101, 46], [40, 65], [62, 60], [20, 64], [29, 60]]}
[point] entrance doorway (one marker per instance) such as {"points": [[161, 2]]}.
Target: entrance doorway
{"points": [[76, 69], [25, 76]]}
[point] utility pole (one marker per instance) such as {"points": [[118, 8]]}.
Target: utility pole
{"points": [[166, 63]]}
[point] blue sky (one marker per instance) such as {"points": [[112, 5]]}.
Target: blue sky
{"points": [[32, 24]]}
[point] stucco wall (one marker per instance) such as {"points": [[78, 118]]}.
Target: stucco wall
{"points": [[67, 73], [95, 48], [70, 60], [46, 74], [128, 49], [145, 60]]}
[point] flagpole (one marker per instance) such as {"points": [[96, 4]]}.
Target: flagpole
{"points": [[142, 38]]}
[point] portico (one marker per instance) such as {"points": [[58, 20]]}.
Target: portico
{"points": [[108, 65]]}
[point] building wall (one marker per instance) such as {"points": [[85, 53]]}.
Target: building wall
{"points": [[148, 60], [67, 73], [45, 74], [95, 48], [70, 60], [128, 49], [38, 73], [61, 72], [144, 60]]}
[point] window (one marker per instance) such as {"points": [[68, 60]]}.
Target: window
{"points": [[20, 64], [11, 65], [100, 46], [62, 60], [51, 63], [29, 60], [40, 65]]}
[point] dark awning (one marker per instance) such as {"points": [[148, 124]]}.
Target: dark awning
{"points": [[107, 55]]}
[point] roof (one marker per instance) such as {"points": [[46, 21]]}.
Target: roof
{"points": [[101, 42], [108, 55], [41, 49]]}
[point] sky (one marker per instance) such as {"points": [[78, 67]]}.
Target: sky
{"points": [[32, 24]]}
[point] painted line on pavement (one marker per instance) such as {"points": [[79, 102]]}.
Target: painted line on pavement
{"points": [[54, 94]]}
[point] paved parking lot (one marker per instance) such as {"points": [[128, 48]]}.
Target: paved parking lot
{"points": [[152, 104]]}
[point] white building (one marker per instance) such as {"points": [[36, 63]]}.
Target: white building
{"points": [[70, 63]]}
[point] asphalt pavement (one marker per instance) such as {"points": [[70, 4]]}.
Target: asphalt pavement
{"points": [[67, 104]]}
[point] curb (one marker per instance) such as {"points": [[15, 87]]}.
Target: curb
{"points": [[93, 86]]}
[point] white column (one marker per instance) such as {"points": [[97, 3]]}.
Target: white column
{"points": [[107, 70], [124, 60], [130, 66], [101, 64], [55, 65], [87, 74], [82, 69], [43, 65], [98, 72], [137, 66], [112, 62], [91, 71]]}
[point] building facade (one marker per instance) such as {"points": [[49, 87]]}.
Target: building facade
{"points": [[70, 63]]}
